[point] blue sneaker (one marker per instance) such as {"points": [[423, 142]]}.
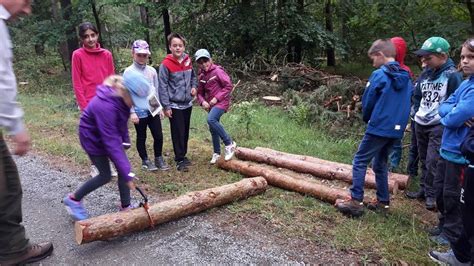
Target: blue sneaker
{"points": [[75, 209], [440, 240]]}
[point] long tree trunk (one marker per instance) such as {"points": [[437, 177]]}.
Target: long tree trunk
{"points": [[167, 27], [62, 46], [295, 47], [146, 23], [402, 180], [471, 14], [116, 224], [71, 36], [319, 170], [97, 21], [331, 55], [298, 184]]}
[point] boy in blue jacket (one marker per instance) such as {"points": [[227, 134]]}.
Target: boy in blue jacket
{"points": [[385, 107], [453, 204]]}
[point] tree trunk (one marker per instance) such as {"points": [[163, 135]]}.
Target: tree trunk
{"points": [[402, 180], [295, 47], [71, 36], [167, 27], [324, 171], [146, 23], [471, 14], [302, 185], [331, 56], [97, 21], [116, 224]]}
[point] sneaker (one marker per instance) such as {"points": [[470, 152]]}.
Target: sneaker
{"points": [[378, 206], [435, 231], [215, 157], [161, 164], [440, 240], [229, 151], [113, 171], [129, 207], [187, 162], [351, 207], [34, 253], [420, 194], [94, 172], [182, 167], [444, 258], [147, 165], [430, 204], [75, 209]]}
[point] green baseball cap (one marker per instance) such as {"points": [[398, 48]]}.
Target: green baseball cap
{"points": [[433, 45]]}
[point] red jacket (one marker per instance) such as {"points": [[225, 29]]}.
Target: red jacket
{"points": [[215, 83], [89, 68], [401, 47]]}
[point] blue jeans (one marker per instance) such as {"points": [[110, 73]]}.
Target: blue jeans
{"points": [[217, 130], [377, 148], [396, 154]]}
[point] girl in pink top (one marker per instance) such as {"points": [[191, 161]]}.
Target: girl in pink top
{"points": [[91, 64]]}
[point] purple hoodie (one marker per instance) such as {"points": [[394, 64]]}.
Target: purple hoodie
{"points": [[103, 128], [215, 83]]}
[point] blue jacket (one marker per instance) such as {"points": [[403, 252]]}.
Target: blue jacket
{"points": [[386, 101], [103, 129], [456, 110]]}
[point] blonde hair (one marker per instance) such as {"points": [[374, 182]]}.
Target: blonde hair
{"points": [[384, 46], [116, 82]]}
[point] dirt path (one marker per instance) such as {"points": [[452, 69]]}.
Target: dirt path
{"points": [[195, 239]]}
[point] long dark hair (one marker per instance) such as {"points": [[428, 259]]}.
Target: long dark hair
{"points": [[86, 26], [469, 44]]}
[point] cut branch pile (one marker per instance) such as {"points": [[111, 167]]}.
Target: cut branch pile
{"points": [[116, 224], [316, 167]]}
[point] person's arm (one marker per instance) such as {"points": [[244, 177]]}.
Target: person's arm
{"points": [[113, 141], [163, 87], [110, 64], [461, 113], [416, 98], [224, 81], [200, 90], [371, 94], [454, 80], [77, 81], [448, 105]]}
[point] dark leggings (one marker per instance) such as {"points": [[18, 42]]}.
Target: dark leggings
{"points": [[154, 123], [104, 177], [179, 123]]}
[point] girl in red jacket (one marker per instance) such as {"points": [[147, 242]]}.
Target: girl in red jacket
{"points": [[213, 95]]}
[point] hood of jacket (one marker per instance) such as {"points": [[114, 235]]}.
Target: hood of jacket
{"points": [[109, 95], [401, 49], [170, 59], [435, 73], [397, 74]]}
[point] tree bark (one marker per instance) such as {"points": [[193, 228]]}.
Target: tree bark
{"points": [[331, 56], [146, 23], [402, 180], [324, 171], [97, 21], [71, 36], [167, 27], [471, 14], [302, 185], [116, 224]]}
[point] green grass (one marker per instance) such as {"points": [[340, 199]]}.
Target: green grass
{"points": [[52, 119]]}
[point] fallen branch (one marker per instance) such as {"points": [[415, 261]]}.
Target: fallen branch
{"points": [[321, 170], [116, 224]]}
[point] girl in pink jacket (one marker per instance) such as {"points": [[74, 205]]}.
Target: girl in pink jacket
{"points": [[213, 94]]}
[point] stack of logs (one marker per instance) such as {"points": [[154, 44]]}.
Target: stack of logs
{"points": [[255, 158]]}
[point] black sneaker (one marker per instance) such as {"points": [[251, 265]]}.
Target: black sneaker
{"points": [[161, 164], [430, 204], [147, 165], [420, 194], [350, 207], [182, 167], [435, 231], [379, 206], [187, 162]]}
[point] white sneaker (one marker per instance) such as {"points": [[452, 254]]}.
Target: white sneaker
{"points": [[229, 151], [215, 157], [113, 171], [94, 172]]}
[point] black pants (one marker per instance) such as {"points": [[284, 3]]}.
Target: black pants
{"points": [[154, 123], [428, 140], [412, 167], [464, 247], [12, 233], [448, 189], [179, 123]]}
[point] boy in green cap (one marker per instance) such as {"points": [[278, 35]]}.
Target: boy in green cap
{"points": [[441, 80]]}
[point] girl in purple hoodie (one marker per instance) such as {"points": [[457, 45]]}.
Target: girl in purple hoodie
{"points": [[103, 133], [213, 95]]}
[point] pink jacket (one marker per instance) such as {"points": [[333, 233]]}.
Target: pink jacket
{"points": [[215, 83], [89, 68]]}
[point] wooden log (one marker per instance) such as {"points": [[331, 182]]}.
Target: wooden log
{"points": [[287, 182], [320, 170], [400, 178], [116, 224]]}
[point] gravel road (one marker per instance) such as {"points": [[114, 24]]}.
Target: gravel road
{"points": [[190, 240]]}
